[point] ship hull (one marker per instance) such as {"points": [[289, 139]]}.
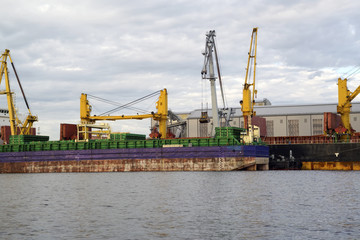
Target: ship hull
{"points": [[326, 156], [216, 158]]}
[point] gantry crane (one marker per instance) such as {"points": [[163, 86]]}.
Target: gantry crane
{"points": [[344, 104], [249, 91], [162, 114], [16, 125]]}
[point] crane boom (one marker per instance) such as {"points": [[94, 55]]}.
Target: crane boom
{"points": [[161, 115]]}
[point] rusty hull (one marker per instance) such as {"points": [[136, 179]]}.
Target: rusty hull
{"points": [[132, 165], [215, 158]]}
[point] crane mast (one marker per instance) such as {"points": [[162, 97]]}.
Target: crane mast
{"points": [[15, 122], [249, 91], [344, 103]]}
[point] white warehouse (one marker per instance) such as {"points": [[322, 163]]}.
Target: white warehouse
{"points": [[289, 120]]}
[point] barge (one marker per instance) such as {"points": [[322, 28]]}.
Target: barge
{"points": [[132, 152], [26, 153]]}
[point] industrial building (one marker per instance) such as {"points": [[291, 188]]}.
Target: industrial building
{"points": [[287, 120]]}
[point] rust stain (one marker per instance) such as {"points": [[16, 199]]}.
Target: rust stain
{"points": [[131, 165], [341, 166]]}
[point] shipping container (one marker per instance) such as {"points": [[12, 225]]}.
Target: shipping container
{"points": [[6, 132], [331, 121], [261, 123], [68, 131]]}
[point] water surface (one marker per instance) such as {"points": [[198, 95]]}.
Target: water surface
{"points": [[181, 205]]}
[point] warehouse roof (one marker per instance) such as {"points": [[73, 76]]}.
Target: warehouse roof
{"points": [[285, 110]]}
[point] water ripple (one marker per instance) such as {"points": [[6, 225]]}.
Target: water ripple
{"points": [[181, 205]]}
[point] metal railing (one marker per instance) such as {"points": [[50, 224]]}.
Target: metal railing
{"points": [[307, 140]]}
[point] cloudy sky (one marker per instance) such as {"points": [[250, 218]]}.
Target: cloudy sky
{"points": [[124, 50]]}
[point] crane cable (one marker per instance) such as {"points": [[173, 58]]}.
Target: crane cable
{"points": [[219, 74], [353, 71], [128, 106], [114, 103], [204, 94], [18, 80], [130, 103]]}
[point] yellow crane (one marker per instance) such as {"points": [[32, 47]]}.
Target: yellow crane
{"points": [[344, 103], [161, 115], [248, 101], [16, 125]]}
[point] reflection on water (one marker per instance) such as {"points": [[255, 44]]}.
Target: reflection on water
{"points": [[181, 205]]}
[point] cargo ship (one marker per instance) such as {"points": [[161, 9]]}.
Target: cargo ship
{"points": [[314, 156], [336, 149], [125, 152]]}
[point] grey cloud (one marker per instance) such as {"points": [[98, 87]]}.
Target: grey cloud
{"points": [[315, 74], [123, 50]]}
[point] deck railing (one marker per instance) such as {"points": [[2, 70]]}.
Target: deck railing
{"points": [[307, 140]]}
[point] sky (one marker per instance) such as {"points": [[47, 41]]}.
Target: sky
{"points": [[123, 50]]}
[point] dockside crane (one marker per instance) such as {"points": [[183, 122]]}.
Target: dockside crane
{"points": [[17, 127], [249, 91], [88, 120], [208, 72], [345, 96]]}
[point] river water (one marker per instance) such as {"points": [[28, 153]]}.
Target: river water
{"points": [[181, 205]]}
